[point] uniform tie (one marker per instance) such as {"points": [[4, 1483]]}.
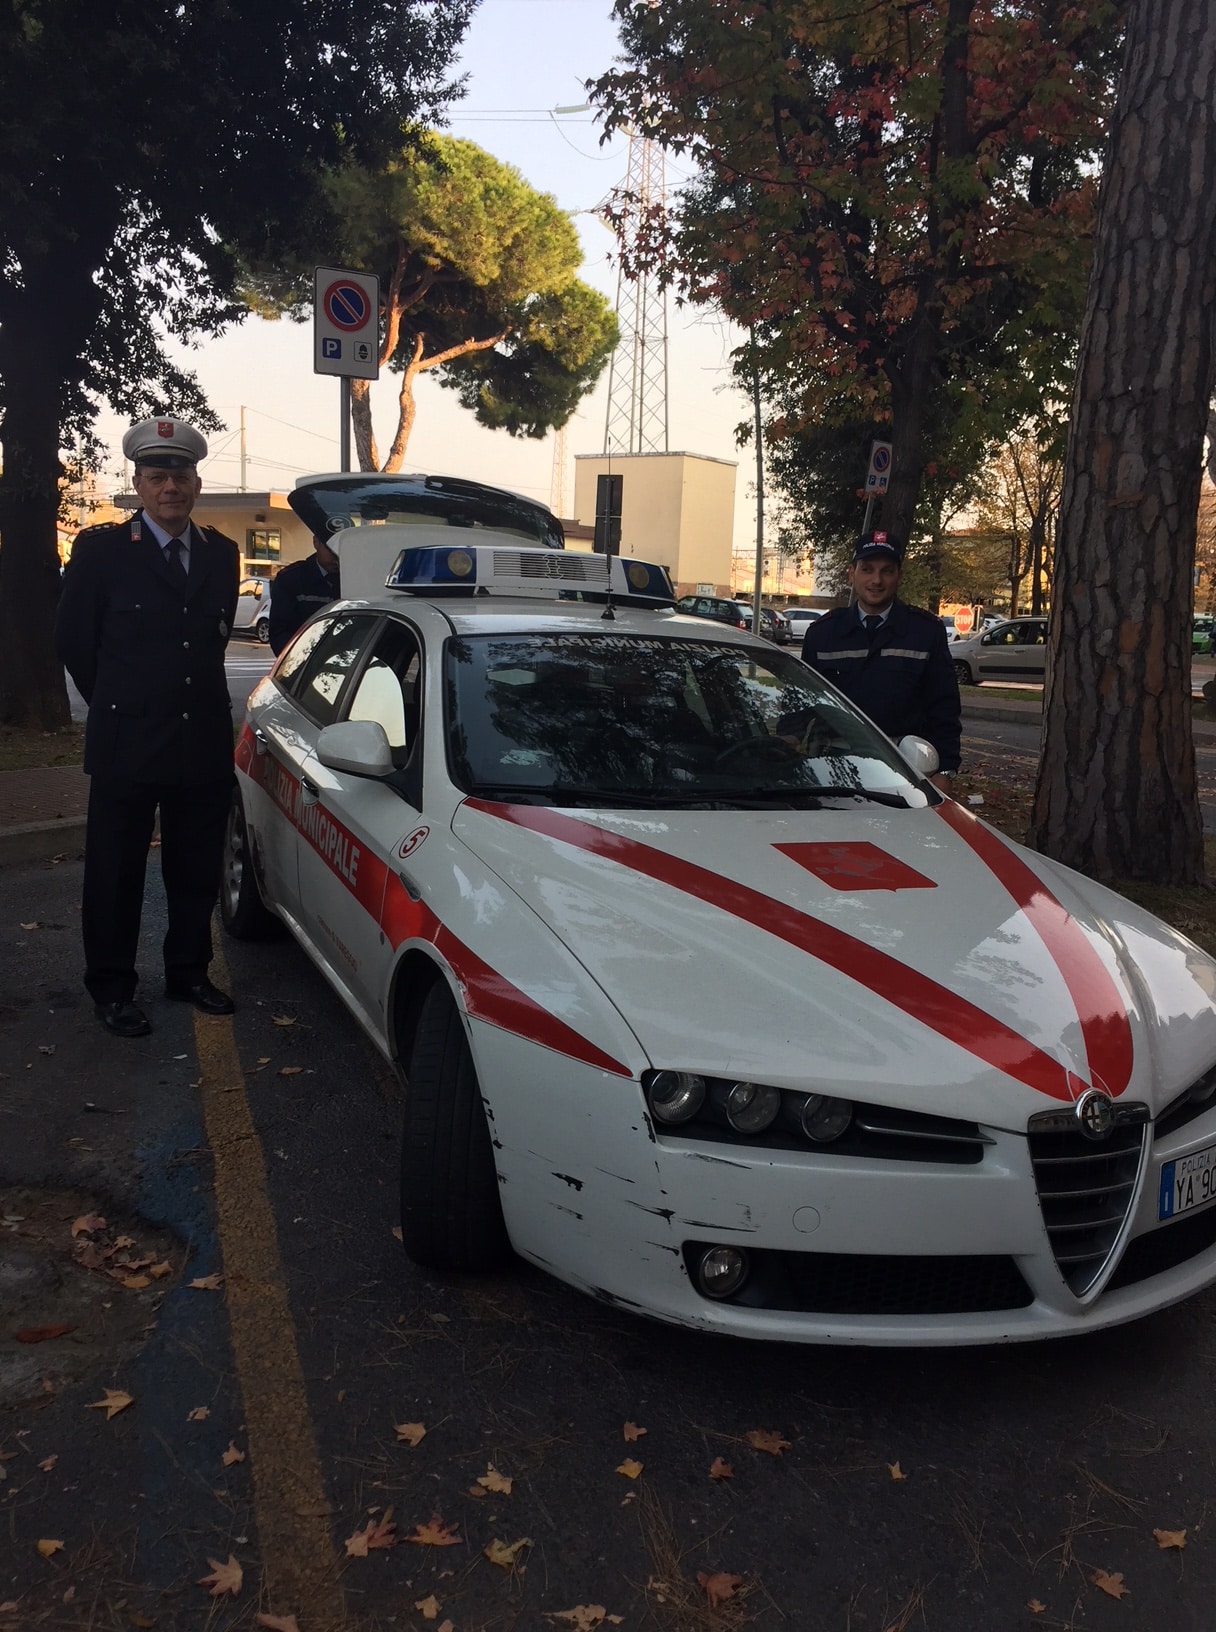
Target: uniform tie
{"points": [[872, 622], [173, 555]]}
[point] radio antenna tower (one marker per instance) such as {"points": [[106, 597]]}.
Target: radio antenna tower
{"points": [[636, 421], [557, 485]]}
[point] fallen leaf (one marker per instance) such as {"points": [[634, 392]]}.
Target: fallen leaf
{"points": [[630, 1468], [48, 1462], [430, 1607], [124, 1241], [277, 1623], [1111, 1584], [447, 1626], [143, 1621], [34, 925], [48, 1549], [763, 1439], [88, 1224], [207, 1283], [631, 1431], [397, 1232], [41, 1334], [585, 1617], [289, 1070], [491, 1479], [224, 1577], [263, 1059], [232, 1455], [718, 1469], [134, 1283], [10, 1606], [435, 1533], [46, 1048], [409, 1433], [896, 1472], [199, 1414], [115, 1401], [1036, 1607], [284, 1019], [719, 1586], [1171, 1538], [376, 1533], [8, 1456], [504, 1555], [159, 1271]]}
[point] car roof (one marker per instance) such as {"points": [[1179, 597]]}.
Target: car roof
{"points": [[517, 615]]}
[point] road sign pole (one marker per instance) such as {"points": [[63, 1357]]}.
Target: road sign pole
{"points": [[344, 434]]}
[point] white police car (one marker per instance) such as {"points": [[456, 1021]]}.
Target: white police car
{"points": [[665, 937]]}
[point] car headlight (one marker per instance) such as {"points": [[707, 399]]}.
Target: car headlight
{"points": [[823, 1119], [675, 1096], [752, 1106]]}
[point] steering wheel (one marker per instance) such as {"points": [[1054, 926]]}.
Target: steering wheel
{"points": [[768, 750]]}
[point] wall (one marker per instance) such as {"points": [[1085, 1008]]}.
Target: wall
{"points": [[237, 514], [676, 509]]}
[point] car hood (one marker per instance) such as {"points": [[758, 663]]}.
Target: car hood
{"points": [[912, 957]]}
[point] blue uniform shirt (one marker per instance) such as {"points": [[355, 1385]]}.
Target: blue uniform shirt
{"points": [[903, 678]]}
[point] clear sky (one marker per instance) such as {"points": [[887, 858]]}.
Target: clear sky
{"points": [[523, 58]]}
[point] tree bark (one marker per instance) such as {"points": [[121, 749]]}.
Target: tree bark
{"points": [[1116, 793]]}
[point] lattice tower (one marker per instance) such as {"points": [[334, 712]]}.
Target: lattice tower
{"points": [[557, 484], [636, 421]]}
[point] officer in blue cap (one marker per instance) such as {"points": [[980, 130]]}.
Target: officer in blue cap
{"points": [[143, 621], [891, 659]]}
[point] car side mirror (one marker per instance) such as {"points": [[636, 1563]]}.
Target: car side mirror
{"points": [[920, 755], [357, 746]]}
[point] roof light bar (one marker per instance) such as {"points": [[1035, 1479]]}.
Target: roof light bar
{"points": [[493, 569]]}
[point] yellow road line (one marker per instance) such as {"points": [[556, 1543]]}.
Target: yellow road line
{"points": [[293, 1517]]}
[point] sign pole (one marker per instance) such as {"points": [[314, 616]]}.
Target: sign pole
{"points": [[344, 434]]}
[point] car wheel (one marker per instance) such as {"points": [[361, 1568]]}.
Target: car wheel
{"points": [[263, 631], [245, 915], [963, 672], [451, 1215]]}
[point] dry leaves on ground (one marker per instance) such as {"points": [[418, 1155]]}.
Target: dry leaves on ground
{"points": [[763, 1439], [41, 1334], [718, 1469], [896, 1472], [206, 1283], [492, 1480], [284, 1020], [48, 1462], [376, 1534], [232, 1455], [1110, 1583], [429, 1607], [719, 1586], [586, 1617], [289, 1070], [223, 1578], [1171, 1538], [506, 1554], [1036, 1606], [277, 1623], [631, 1431], [409, 1433], [630, 1468], [199, 1414], [435, 1533], [116, 1400], [49, 1548]]}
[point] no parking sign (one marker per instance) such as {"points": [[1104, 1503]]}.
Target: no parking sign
{"points": [[346, 324]]}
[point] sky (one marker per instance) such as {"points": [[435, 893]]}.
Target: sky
{"points": [[523, 58]]}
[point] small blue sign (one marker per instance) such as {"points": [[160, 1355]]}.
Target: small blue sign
{"points": [[1165, 1197], [331, 349]]}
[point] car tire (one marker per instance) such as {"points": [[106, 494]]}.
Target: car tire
{"points": [[451, 1214], [263, 631], [244, 914], [963, 673]]}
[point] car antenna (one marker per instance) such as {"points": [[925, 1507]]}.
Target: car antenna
{"points": [[609, 613]]}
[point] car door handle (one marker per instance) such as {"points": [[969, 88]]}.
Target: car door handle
{"points": [[260, 743], [310, 790]]}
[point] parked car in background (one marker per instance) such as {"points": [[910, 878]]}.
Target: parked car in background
{"points": [[800, 619], [774, 625], [253, 609], [1014, 650], [716, 607], [1203, 631]]}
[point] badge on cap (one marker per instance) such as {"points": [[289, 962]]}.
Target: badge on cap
{"points": [[164, 427]]}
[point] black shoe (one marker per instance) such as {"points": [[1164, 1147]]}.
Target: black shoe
{"points": [[123, 1019], [206, 997]]}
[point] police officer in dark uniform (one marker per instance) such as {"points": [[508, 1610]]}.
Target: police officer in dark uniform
{"points": [[891, 659], [300, 590], [143, 621]]}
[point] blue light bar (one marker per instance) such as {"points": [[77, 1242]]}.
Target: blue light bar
{"points": [[440, 570]]}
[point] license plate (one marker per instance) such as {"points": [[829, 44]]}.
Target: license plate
{"points": [[1187, 1183]]}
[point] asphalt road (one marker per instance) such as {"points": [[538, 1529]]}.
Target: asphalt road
{"points": [[952, 1490]]}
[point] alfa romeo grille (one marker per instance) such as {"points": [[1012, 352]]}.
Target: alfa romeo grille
{"points": [[1085, 1188]]}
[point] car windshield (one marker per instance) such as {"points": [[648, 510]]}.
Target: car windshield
{"points": [[622, 720]]}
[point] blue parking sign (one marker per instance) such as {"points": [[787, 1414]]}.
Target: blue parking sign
{"points": [[331, 348]]}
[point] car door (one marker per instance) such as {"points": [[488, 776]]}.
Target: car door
{"points": [[351, 826], [997, 655]]}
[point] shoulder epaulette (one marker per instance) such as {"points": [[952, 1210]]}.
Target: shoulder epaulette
{"points": [[101, 527]]}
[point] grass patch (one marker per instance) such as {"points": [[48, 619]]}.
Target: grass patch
{"points": [[22, 749]]}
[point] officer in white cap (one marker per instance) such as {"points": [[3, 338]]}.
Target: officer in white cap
{"points": [[143, 621]]}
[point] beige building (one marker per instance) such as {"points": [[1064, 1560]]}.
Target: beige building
{"points": [[264, 525], [677, 509]]}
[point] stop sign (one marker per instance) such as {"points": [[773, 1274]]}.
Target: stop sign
{"points": [[964, 620]]}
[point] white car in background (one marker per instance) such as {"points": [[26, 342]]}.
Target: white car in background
{"points": [[800, 619], [706, 1000], [253, 609]]}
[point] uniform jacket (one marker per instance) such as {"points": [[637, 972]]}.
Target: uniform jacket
{"points": [[904, 680], [295, 594], [148, 655]]}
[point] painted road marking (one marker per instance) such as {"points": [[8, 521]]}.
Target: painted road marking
{"points": [[294, 1521]]}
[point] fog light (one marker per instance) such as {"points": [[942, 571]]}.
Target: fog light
{"points": [[824, 1119], [675, 1096], [752, 1106], [722, 1271]]}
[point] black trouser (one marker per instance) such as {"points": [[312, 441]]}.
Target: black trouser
{"points": [[121, 818]]}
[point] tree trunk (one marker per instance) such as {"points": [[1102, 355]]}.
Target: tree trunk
{"points": [[361, 419], [1116, 793]]}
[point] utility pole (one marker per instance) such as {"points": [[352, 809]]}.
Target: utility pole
{"points": [[244, 456]]}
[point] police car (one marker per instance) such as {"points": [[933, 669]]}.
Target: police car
{"points": [[664, 937]]}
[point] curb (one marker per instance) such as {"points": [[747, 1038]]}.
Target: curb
{"points": [[41, 841], [1013, 713]]}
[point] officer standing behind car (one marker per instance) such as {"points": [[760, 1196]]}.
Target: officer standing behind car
{"points": [[891, 659], [143, 621], [302, 589]]}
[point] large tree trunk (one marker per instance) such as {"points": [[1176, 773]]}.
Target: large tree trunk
{"points": [[1116, 793], [39, 332]]}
